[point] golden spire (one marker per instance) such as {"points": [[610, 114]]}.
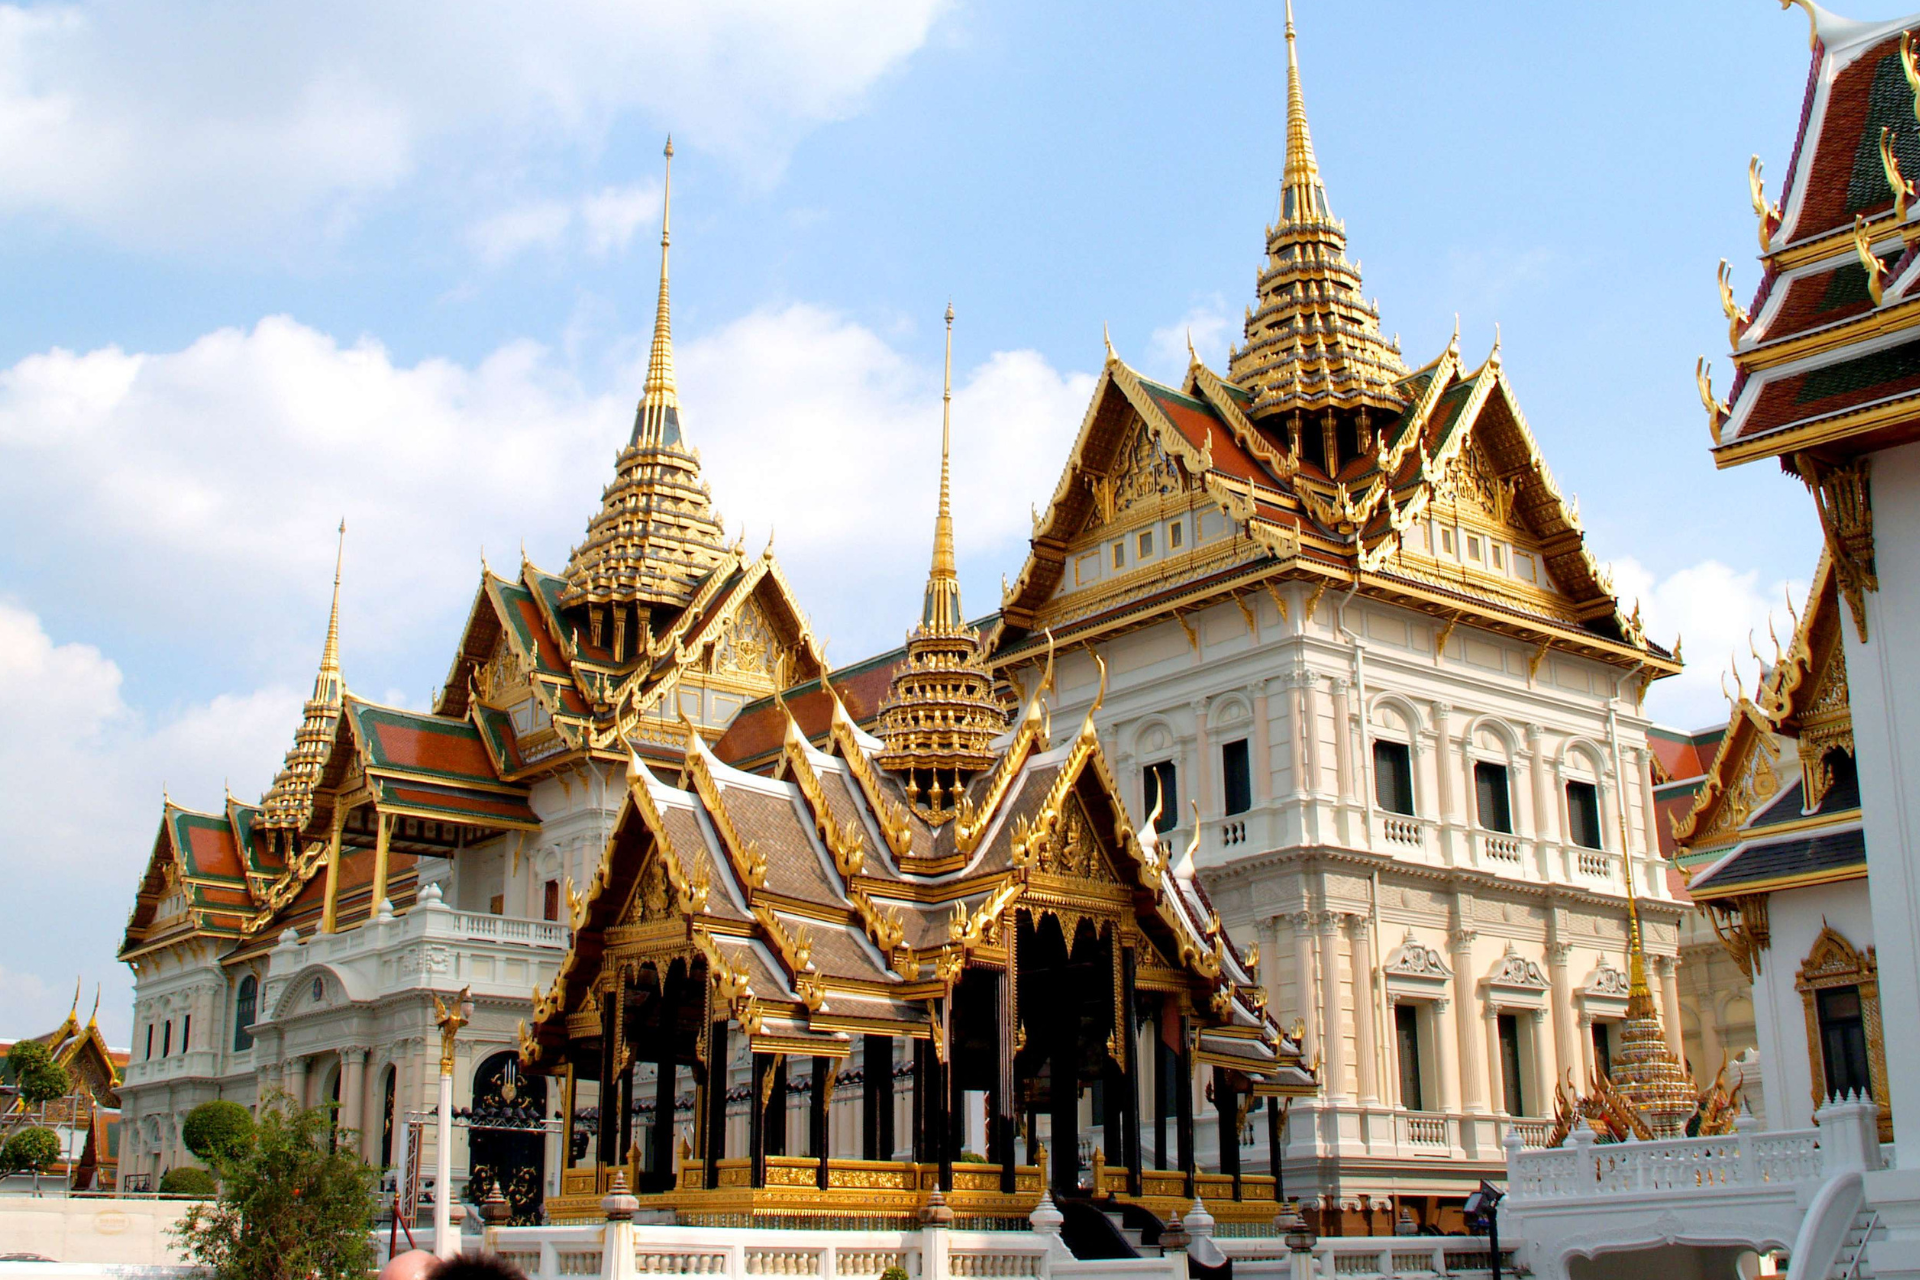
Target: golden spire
{"points": [[290, 799], [1312, 340], [326, 684], [1302, 195], [942, 609], [658, 419], [940, 717], [655, 537], [1646, 1072]]}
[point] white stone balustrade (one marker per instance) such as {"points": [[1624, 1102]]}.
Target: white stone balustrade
{"points": [[1750, 1189]]}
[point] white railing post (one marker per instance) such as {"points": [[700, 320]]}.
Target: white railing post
{"points": [[1845, 1141], [616, 1240]]}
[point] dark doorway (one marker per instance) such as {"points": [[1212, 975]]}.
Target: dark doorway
{"points": [[1843, 1042], [506, 1143], [1406, 1027]]}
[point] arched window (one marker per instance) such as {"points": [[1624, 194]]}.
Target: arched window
{"points": [[386, 1121], [244, 1003]]}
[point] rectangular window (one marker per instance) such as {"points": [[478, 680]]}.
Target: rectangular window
{"points": [[245, 1007], [1473, 547], [1146, 543], [166, 1038], [1160, 784], [1843, 1041], [1509, 1027], [1119, 555], [1499, 556], [149, 1040], [1494, 799], [1174, 532], [1237, 774], [1602, 1049], [550, 906], [1393, 776], [1583, 815], [497, 904], [1446, 541], [1406, 1028], [186, 1032]]}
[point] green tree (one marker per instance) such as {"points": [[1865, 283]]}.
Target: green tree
{"points": [[38, 1077], [30, 1150], [188, 1180], [291, 1206], [217, 1130]]}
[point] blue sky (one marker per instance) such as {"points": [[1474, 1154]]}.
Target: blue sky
{"points": [[399, 263]]}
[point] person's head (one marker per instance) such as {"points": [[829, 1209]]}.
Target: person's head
{"points": [[414, 1264], [477, 1266]]}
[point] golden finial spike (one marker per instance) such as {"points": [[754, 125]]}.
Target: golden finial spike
{"points": [[330, 655], [658, 422], [1302, 197], [1911, 66], [942, 611], [1639, 994], [93, 1019], [1106, 336], [1869, 261]]}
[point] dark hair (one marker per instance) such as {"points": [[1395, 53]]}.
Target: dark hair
{"points": [[477, 1266]]}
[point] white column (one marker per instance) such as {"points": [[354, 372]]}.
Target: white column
{"points": [[445, 1243], [1670, 999], [1330, 1005], [1443, 760], [1203, 759], [1566, 1053], [1496, 1065], [1365, 1013], [1544, 1066], [1309, 1010], [1308, 735], [353, 1086], [294, 1075], [1473, 1077], [1546, 813], [1342, 738], [1446, 1056], [1262, 747]]}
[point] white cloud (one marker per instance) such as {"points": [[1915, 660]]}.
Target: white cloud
{"points": [[200, 488], [1207, 325], [79, 802], [603, 223], [1714, 610], [188, 125]]}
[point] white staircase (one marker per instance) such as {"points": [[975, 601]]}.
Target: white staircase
{"points": [[1130, 1234], [1851, 1262]]}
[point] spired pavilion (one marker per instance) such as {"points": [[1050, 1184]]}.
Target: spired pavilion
{"points": [[962, 883]]}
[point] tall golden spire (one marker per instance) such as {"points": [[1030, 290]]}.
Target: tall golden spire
{"points": [[658, 419], [326, 684], [1302, 196], [942, 610], [655, 537], [1313, 342], [289, 800], [940, 717]]}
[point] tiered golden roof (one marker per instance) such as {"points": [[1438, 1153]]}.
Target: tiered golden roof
{"points": [[289, 800], [656, 535], [1313, 343], [1645, 1072], [941, 717]]}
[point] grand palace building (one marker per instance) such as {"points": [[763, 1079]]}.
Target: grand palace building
{"points": [[1288, 830]]}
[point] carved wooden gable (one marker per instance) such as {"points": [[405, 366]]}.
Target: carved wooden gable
{"points": [[1073, 851], [1142, 473]]}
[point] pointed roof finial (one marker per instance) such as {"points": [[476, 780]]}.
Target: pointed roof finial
{"points": [[1302, 196], [1106, 336], [330, 655], [93, 1019], [658, 421], [943, 582]]}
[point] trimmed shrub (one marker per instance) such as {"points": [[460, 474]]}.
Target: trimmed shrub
{"points": [[30, 1150], [217, 1131], [187, 1181], [38, 1077]]}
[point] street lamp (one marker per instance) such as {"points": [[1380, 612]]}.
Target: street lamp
{"points": [[449, 1019], [1483, 1210]]}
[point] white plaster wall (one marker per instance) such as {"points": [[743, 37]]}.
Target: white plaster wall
{"points": [[1796, 917], [1885, 699]]}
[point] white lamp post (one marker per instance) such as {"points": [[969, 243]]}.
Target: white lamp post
{"points": [[449, 1019]]}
